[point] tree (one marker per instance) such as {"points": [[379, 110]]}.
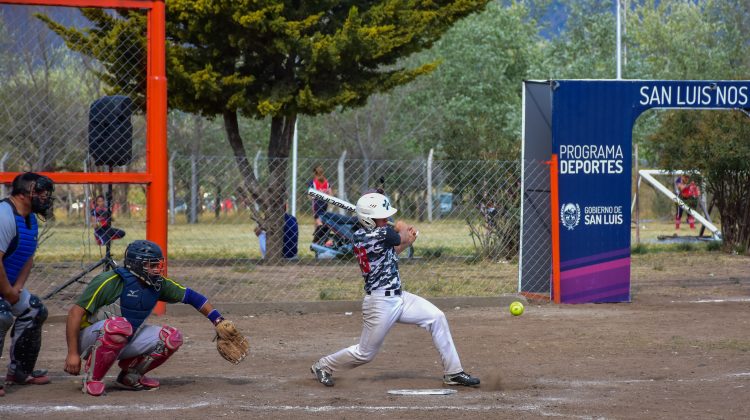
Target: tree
{"points": [[703, 40], [471, 104], [44, 100], [281, 59], [585, 48], [716, 146], [468, 108]]}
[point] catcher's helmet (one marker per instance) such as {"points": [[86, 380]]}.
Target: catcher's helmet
{"points": [[373, 206], [41, 190], [146, 261]]}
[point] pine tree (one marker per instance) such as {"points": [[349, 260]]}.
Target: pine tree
{"points": [[274, 58]]}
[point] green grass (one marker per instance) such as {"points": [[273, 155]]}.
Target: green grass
{"points": [[231, 237], [229, 240]]}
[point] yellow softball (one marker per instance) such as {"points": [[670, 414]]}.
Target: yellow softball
{"points": [[516, 308]]}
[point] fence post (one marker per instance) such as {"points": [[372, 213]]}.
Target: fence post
{"points": [[294, 170], [637, 200], [86, 197], [3, 193], [171, 188], [342, 186], [256, 162], [429, 186], [554, 200], [193, 189]]}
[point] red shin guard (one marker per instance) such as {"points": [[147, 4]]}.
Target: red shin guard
{"points": [[113, 337], [134, 368]]}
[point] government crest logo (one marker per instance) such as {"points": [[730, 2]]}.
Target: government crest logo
{"points": [[570, 215]]}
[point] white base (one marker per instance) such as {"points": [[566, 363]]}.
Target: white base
{"points": [[440, 391]]}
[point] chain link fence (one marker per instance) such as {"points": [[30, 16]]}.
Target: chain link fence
{"points": [[468, 212], [468, 245], [50, 89]]}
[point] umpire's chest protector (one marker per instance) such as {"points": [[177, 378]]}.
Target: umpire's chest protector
{"points": [[137, 300], [22, 247]]}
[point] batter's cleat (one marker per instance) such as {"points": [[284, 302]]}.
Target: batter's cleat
{"points": [[323, 376], [460, 378], [94, 388], [37, 377], [134, 382]]}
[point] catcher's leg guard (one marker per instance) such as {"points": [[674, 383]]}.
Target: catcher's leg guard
{"points": [[26, 343], [113, 337], [6, 322], [134, 368]]}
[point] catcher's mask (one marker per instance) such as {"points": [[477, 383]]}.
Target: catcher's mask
{"points": [[373, 206], [40, 190], [145, 260]]}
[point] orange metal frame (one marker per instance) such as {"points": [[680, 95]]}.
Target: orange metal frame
{"points": [[155, 176], [555, 226]]}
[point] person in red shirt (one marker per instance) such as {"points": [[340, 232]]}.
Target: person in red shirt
{"points": [[320, 183], [689, 193]]}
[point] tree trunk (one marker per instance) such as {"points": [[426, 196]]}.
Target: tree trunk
{"points": [[731, 190], [282, 130], [250, 190]]}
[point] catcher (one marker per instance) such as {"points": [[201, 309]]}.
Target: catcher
{"points": [[106, 324]]}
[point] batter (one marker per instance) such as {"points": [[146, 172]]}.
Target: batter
{"points": [[377, 246]]}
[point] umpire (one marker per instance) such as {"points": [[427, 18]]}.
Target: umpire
{"points": [[31, 196]]}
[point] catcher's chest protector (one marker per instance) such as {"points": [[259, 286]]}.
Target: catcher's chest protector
{"points": [[137, 300], [21, 248]]}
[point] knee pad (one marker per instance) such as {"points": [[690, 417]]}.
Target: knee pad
{"points": [[41, 313], [6, 322], [112, 338], [6, 317], [117, 325], [170, 339]]}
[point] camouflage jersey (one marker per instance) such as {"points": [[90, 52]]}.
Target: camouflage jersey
{"points": [[377, 257]]}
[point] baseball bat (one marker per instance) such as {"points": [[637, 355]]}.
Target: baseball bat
{"points": [[312, 192]]}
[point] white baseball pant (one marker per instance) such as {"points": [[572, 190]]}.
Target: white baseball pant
{"points": [[144, 342], [379, 313]]}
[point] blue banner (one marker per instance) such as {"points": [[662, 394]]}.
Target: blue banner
{"points": [[592, 124]]}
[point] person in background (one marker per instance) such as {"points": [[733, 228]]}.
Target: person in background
{"points": [[320, 183], [689, 193], [291, 236], [678, 185], [102, 219]]}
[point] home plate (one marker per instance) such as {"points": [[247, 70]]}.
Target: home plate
{"points": [[422, 391]]}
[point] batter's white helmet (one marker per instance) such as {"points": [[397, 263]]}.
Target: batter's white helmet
{"points": [[373, 206]]}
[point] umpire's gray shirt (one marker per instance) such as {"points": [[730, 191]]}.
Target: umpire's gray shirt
{"points": [[7, 225]]}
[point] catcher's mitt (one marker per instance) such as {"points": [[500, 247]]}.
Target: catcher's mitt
{"points": [[230, 343]]}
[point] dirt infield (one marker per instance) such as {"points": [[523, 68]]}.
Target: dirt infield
{"points": [[680, 350]]}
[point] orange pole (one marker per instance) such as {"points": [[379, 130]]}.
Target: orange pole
{"points": [[554, 200], [111, 4], [86, 177], [156, 138], [155, 177]]}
